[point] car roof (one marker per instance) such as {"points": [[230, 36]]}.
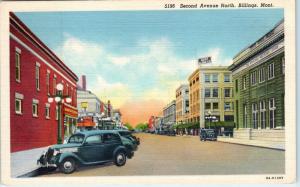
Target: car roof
{"points": [[94, 132]]}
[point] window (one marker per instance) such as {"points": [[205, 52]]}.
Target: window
{"points": [[236, 85], [56, 113], [207, 92], [226, 78], [96, 139], [18, 106], [207, 78], [261, 75], [227, 106], [271, 71], [37, 76], [54, 85], [253, 78], [48, 82], [18, 67], [34, 109], [215, 77], [227, 92], [47, 111], [272, 113], [254, 115], [245, 116], [283, 65], [207, 106], [215, 106], [262, 110], [215, 92], [197, 79], [244, 82], [110, 137]]}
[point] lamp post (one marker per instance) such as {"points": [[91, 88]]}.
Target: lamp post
{"points": [[59, 98]]}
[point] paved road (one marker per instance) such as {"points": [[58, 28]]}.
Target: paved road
{"points": [[186, 155]]}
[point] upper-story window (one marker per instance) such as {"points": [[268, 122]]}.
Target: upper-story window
{"points": [[215, 92], [207, 78], [215, 77], [207, 92], [18, 103], [261, 75], [37, 76], [253, 78], [48, 82], [236, 85], [271, 70], [226, 77], [244, 82], [54, 85], [227, 92], [18, 67], [35, 104], [283, 64]]}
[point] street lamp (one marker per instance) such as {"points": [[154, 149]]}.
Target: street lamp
{"points": [[59, 98]]}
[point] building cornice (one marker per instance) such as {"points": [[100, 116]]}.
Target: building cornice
{"points": [[262, 57]]}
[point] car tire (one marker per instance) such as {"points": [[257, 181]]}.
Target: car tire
{"points": [[120, 158], [68, 166]]}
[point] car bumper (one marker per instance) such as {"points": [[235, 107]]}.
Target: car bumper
{"points": [[130, 154], [44, 162]]}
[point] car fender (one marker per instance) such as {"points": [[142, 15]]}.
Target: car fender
{"points": [[69, 155], [120, 148]]}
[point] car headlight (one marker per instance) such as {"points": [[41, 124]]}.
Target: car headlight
{"points": [[56, 152]]}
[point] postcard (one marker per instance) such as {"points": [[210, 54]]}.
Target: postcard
{"points": [[148, 92]]}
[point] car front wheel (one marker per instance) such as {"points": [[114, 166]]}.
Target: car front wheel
{"points": [[120, 158], [68, 166]]}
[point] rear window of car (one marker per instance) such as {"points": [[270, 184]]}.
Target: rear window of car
{"points": [[77, 138], [110, 137]]}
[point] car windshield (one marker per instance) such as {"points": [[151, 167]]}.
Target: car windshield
{"points": [[77, 138], [210, 131]]}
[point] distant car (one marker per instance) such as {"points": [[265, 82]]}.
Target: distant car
{"points": [[88, 148], [129, 135], [208, 134]]}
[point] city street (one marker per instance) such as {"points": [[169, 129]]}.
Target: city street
{"points": [[186, 155]]}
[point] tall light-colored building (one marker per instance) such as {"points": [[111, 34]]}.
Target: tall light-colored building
{"points": [[182, 103], [169, 113], [194, 97], [216, 94]]}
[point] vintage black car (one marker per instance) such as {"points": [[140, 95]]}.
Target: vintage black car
{"points": [[128, 134], [208, 134], [88, 148]]}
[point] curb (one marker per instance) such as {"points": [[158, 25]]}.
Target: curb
{"points": [[278, 149]]}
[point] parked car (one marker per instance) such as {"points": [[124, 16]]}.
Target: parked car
{"points": [[208, 134], [88, 148], [129, 135]]}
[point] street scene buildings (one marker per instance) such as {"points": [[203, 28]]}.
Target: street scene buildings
{"points": [[258, 75], [241, 102]]}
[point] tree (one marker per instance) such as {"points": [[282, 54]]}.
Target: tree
{"points": [[129, 127], [142, 126]]}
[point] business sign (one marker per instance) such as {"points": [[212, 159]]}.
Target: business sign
{"points": [[204, 60], [84, 104]]}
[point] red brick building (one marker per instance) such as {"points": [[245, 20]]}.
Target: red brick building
{"points": [[34, 73]]}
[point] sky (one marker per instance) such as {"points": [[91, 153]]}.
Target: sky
{"points": [[137, 59]]}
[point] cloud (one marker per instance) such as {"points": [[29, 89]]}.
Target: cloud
{"points": [[80, 55], [116, 92], [119, 60]]}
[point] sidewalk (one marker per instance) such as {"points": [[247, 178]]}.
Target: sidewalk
{"points": [[23, 162], [258, 143]]}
